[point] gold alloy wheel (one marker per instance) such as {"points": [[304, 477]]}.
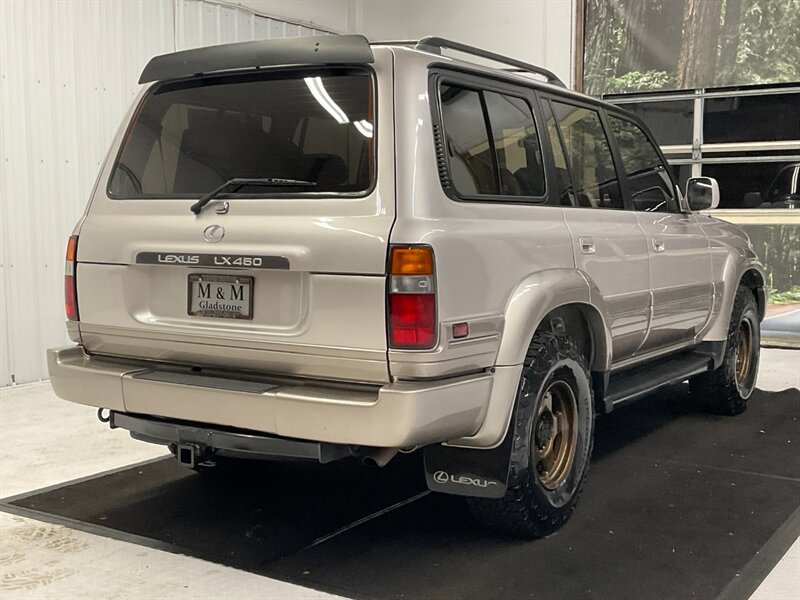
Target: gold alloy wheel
{"points": [[555, 435], [744, 352]]}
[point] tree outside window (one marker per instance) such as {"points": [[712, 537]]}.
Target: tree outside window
{"points": [[636, 45]]}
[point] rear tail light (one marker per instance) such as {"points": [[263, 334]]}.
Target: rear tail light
{"points": [[411, 305], [70, 282]]}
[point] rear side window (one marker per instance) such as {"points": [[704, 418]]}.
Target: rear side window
{"points": [[650, 186], [190, 137], [491, 143], [594, 182]]}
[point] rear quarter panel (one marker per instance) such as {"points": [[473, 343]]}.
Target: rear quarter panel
{"points": [[486, 252]]}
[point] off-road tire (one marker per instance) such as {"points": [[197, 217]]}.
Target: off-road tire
{"points": [[721, 391], [529, 509]]}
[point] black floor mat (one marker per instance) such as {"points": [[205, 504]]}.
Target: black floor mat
{"points": [[678, 504]]}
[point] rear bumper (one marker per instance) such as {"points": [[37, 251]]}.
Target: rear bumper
{"points": [[396, 415]]}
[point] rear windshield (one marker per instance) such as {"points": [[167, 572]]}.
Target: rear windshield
{"points": [[190, 137]]}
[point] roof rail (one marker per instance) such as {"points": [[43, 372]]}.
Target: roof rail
{"points": [[436, 44]]}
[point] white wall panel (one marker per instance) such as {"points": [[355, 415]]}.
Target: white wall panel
{"points": [[537, 31], [330, 15], [68, 73]]}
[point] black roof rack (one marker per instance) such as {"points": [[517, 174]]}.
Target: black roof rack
{"points": [[312, 50], [436, 44]]}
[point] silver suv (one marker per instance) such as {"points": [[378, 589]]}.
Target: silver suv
{"points": [[324, 248]]}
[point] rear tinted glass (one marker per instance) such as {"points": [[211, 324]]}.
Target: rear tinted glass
{"points": [[468, 149], [491, 143], [190, 137]]}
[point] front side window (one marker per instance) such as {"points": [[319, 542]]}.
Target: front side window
{"points": [[491, 143], [650, 186], [192, 136], [594, 182]]}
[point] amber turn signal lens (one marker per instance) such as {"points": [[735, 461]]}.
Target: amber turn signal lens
{"points": [[416, 260], [72, 248]]}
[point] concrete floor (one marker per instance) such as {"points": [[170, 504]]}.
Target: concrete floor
{"points": [[45, 441]]}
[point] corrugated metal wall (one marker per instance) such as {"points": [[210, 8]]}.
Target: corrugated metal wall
{"points": [[68, 72]]}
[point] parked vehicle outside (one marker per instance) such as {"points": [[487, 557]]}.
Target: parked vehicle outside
{"points": [[323, 248]]}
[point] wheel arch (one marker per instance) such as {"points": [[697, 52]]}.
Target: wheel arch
{"points": [[556, 299], [753, 279], [751, 275]]}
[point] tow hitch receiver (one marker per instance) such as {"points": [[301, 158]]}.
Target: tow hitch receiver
{"points": [[188, 454]]}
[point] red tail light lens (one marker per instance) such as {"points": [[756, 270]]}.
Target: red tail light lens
{"points": [[413, 320], [70, 282], [411, 304], [70, 298]]}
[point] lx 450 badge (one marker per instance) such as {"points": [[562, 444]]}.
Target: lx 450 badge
{"points": [[231, 261]]}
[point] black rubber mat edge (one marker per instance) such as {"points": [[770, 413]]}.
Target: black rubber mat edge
{"points": [[761, 565], [85, 478], [6, 506], [106, 532], [146, 542]]}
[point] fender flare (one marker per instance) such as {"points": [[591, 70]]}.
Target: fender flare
{"points": [[530, 301], [735, 271], [541, 293]]}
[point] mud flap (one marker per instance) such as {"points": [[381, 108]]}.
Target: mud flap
{"points": [[468, 471]]}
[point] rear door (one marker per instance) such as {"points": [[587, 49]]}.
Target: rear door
{"points": [[277, 276], [608, 244]]}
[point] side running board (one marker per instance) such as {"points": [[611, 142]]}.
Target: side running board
{"points": [[631, 384]]}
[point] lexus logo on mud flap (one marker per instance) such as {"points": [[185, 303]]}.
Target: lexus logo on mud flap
{"points": [[214, 233], [444, 477]]}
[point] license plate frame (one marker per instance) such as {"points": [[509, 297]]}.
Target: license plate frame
{"points": [[219, 313]]}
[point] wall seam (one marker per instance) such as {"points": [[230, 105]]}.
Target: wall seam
{"points": [[289, 20]]}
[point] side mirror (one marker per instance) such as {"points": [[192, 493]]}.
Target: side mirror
{"points": [[702, 193]]}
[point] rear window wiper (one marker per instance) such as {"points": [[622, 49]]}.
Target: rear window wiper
{"points": [[239, 182]]}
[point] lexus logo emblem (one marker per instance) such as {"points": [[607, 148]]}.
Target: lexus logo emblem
{"points": [[214, 233], [441, 477]]}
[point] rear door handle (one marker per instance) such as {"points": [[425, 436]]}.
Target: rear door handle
{"points": [[587, 245], [658, 245]]}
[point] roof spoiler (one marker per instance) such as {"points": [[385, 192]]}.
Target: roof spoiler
{"points": [[312, 50]]}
